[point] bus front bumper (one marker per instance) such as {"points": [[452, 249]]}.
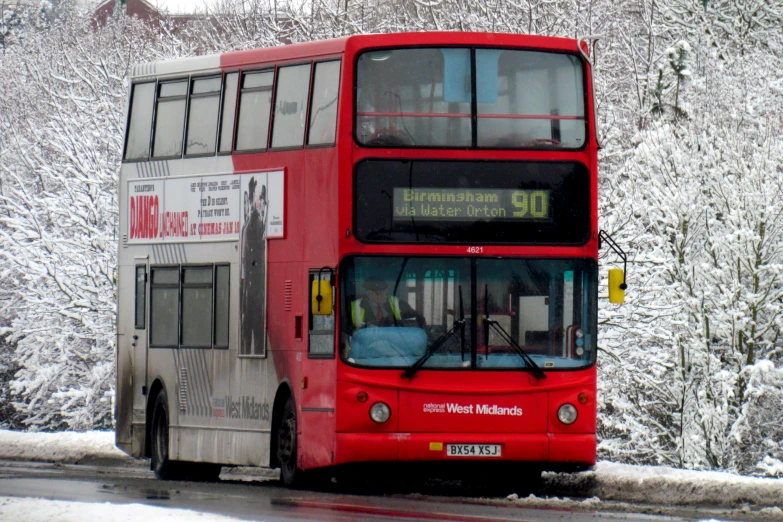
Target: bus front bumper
{"points": [[544, 448]]}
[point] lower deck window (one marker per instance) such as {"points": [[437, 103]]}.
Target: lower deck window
{"points": [[221, 306], [189, 306], [164, 307], [197, 307], [141, 297]]}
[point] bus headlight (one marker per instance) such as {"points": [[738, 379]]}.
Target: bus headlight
{"points": [[567, 414], [380, 412]]}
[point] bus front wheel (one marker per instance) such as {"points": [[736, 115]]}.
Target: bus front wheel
{"points": [[290, 475]]}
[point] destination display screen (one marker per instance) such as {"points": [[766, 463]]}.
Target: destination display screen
{"points": [[458, 204], [472, 202]]}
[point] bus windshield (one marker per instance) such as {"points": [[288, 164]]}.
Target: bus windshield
{"points": [[395, 308], [424, 98]]}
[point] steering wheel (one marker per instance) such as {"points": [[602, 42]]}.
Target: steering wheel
{"points": [[550, 141], [388, 137], [434, 332]]}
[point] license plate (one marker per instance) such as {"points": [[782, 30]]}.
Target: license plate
{"points": [[473, 450]]}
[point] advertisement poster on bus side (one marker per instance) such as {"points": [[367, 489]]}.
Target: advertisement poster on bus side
{"points": [[268, 198], [193, 208], [262, 219], [201, 208]]}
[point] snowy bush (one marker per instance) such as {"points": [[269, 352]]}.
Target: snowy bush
{"points": [[757, 436], [9, 417]]}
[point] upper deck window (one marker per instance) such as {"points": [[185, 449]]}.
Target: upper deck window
{"points": [[170, 119], [140, 126], [414, 98], [203, 116], [432, 97], [293, 85], [254, 106], [229, 109], [323, 109], [531, 99]]}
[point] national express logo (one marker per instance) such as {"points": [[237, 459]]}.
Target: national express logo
{"points": [[472, 409]]}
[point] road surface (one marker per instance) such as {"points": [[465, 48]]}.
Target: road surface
{"points": [[258, 496]]}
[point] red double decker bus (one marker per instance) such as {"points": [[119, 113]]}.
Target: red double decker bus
{"points": [[376, 249]]}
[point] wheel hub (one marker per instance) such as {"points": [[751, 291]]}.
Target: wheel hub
{"points": [[286, 443]]}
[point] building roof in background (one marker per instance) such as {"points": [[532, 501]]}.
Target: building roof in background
{"points": [[172, 7], [16, 3], [151, 11]]}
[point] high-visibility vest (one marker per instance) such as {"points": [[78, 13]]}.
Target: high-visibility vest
{"points": [[357, 312]]}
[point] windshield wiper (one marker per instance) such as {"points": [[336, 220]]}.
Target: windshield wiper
{"points": [[536, 370], [440, 341], [538, 373]]}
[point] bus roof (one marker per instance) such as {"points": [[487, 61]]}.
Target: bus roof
{"points": [[355, 43]]}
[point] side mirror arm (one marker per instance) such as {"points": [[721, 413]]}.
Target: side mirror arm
{"points": [[604, 236], [319, 297]]}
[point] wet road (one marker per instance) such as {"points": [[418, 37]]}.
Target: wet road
{"points": [[256, 497]]}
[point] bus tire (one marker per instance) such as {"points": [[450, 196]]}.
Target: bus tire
{"points": [[162, 465], [290, 475]]}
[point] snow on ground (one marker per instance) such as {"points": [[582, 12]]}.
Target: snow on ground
{"points": [[59, 447], [665, 485], [668, 486], [37, 510]]}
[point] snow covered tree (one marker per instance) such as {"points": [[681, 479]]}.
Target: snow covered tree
{"points": [[705, 192], [61, 133]]}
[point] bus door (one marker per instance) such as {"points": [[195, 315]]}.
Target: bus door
{"points": [[132, 360], [319, 371]]}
